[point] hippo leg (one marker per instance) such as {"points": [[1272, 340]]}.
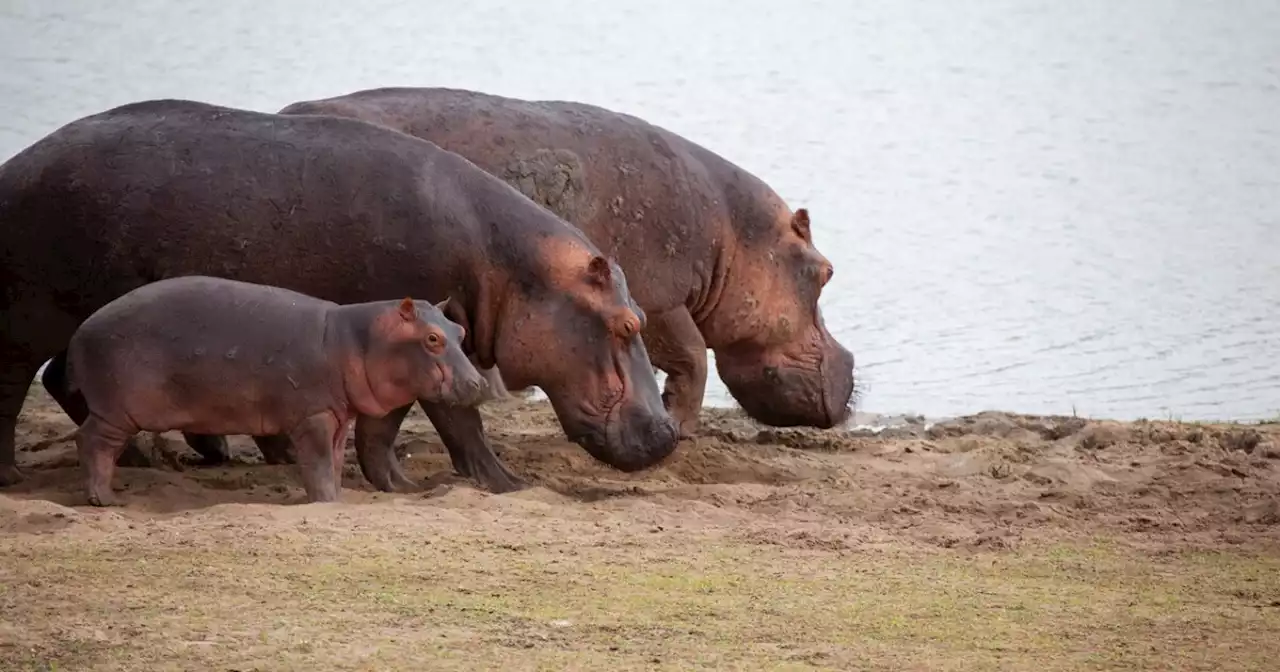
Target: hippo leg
{"points": [[497, 390], [676, 346], [276, 449], [375, 450], [314, 440], [99, 444], [212, 448], [15, 379], [462, 430], [73, 404], [339, 449]]}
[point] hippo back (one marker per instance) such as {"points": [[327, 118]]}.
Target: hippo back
{"points": [[663, 206], [334, 208]]}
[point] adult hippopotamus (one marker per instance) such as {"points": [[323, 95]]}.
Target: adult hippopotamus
{"points": [[338, 209], [220, 356], [715, 258]]}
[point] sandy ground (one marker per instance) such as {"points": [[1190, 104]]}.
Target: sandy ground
{"points": [[995, 541]]}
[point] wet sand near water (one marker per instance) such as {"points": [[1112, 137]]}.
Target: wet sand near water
{"points": [[995, 541]]}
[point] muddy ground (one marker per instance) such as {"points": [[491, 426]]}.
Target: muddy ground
{"points": [[995, 541]]}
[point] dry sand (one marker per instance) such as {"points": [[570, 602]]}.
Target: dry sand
{"points": [[995, 541]]}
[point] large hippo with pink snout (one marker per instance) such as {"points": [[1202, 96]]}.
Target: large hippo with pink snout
{"points": [[712, 254]]}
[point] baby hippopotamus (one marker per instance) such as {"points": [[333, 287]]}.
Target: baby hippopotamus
{"points": [[217, 356]]}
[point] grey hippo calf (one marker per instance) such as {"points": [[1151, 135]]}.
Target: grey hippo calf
{"points": [[218, 356], [338, 209]]}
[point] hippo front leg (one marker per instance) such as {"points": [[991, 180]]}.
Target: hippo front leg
{"points": [[676, 346], [462, 430], [315, 439], [375, 451]]}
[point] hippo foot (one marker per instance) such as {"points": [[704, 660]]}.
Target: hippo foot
{"points": [[211, 461], [213, 449], [393, 479], [9, 475], [103, 499], [497, 479]]}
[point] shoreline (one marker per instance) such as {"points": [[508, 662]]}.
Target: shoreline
{"points": [[993, 540]]}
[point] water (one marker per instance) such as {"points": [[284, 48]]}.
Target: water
{"points": [[1032, 206]]}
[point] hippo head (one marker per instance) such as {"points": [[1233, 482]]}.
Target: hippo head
{"points": [[773, 350], [578, 339], [416, 352]]}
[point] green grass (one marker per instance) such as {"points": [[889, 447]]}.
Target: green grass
{"points": [[356, 602]]}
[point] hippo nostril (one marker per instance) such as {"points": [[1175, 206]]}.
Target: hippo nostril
{"points": [[471, 387]]}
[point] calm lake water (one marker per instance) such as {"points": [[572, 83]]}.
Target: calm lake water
{"points": [[1032, 206]]}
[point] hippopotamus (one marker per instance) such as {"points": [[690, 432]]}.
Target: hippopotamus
{"points": [[712, 254], [338, 209], [214, 356]]}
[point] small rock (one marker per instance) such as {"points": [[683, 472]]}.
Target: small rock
{"points": [[1264, 513], [1102, 436], [1246, 440]]}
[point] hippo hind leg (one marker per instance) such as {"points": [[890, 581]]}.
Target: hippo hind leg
{"points": [[314, 440], [99, 444], [73, 404]]}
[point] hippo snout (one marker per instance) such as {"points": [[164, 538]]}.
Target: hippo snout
{"points": [[795, 394], [631, 441], [469, 390]]}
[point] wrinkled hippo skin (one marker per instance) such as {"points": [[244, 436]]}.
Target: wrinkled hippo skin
{"points": [[215, 356], [337, 209], [712, 254]]}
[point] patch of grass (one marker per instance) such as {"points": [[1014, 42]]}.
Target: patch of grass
{"points": [[357, 601]]}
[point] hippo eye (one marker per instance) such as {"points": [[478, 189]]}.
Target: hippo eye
{"points": [[433, 340]]}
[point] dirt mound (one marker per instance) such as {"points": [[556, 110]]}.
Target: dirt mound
{"points": [[983, 480]]}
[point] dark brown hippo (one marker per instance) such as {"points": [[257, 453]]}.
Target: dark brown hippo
{"points": [[715, 258], [216, 356], [338, 209]]}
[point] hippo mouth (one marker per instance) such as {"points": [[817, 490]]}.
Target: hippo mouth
{"points": [[811, 388], [598, 439], [623, 440]]}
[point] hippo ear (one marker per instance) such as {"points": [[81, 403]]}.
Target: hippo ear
{"points": [[443, 304], [598, 271], [800, 223], [407, 311]]}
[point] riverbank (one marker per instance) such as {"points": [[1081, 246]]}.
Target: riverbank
{"points": [[995, 540]]}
